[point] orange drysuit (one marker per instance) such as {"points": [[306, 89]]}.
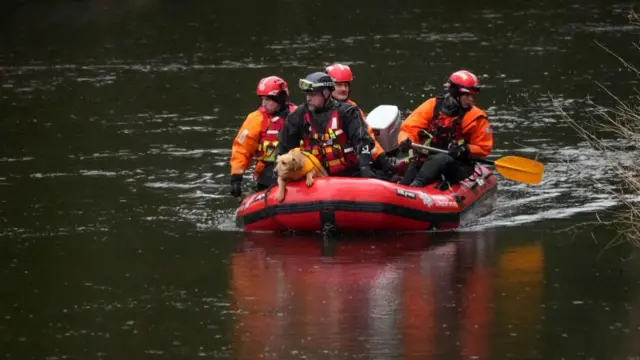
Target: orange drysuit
{"points": [[473, 128], [258, 136]]}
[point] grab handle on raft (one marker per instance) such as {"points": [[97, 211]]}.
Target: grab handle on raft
{"points": [[511, 167]]}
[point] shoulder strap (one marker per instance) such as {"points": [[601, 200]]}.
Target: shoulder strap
{"points": [[437, 107], [265, 123], [334, 115]]}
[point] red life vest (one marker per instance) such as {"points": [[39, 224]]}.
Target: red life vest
{"points": [[332, 147], [269, 129], [443, 130]]}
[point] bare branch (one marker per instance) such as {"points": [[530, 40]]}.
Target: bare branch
{"points": [[629, 66]]}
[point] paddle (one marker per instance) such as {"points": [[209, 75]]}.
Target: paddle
{"points": [[511, 167]]}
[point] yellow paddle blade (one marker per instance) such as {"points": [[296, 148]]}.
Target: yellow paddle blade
{"points": [[520, 169]]}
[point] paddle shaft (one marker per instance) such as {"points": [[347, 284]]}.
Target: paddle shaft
{"points": [[424, 147]]}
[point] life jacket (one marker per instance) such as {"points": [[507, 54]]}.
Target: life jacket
{"points": [[269, 129], [443, 130], [310, 163], [331, 147]]}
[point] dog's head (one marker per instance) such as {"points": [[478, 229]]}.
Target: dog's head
{"points": [[288, 163]]}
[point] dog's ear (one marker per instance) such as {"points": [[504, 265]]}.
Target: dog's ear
{"points": [[296, 163]]}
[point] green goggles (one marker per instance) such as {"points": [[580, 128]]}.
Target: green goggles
{"points": [[308, 86], [305, 85]]}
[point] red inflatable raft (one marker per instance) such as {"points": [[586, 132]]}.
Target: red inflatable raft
{"points": [[356, 204]]}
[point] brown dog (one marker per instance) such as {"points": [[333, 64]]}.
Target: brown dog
{"points": [[295, 165]]}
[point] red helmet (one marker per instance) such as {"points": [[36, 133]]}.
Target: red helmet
{"points": [[340, 73], [272, 86], [463, 82]]}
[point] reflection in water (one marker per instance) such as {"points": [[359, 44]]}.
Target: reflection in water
{"points": [[518, 286], [422, 296]]}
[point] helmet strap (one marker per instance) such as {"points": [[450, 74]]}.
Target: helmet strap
{"points": [[327, 98]]}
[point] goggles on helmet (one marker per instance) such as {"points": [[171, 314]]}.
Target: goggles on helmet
{"points": [[308, 86]]}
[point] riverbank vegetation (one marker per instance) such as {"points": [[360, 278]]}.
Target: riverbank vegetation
{"points": [[614, 133]]}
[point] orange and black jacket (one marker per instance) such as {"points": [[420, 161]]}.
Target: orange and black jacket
{"points": [[474, 127], [295, 129], [248, 140]]}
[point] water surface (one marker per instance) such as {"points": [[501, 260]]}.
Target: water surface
{"points": [[112, 245]]}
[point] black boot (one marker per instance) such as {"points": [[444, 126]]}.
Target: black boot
{"points": [[411, 172]]}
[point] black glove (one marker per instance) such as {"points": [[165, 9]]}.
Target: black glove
{"points": [[365, 165], [405, 145], [366, 172], [382, 162], [459, 151], [236, 185]]}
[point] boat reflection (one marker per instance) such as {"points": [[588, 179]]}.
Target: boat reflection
{"points": [[417, 296]]}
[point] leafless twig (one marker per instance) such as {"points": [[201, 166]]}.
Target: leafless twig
{"points": [[621, 122]]}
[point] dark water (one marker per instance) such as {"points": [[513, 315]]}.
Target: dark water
{"points": [[510, 293], [111, 247]]}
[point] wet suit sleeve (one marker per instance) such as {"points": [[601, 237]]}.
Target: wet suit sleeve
{"points": [[480, 137], [418, 120], [291, 133], [378, 150], [245, 143], [358, 133]]}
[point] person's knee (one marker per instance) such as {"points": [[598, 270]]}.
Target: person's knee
{"points": [[442, 158], [411, 171]]}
